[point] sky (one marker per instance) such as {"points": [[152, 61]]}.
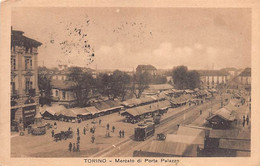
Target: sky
{"points": [[122, 38]]}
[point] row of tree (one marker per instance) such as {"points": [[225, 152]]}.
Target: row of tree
{"points": [[185, 79], [119, 84]]}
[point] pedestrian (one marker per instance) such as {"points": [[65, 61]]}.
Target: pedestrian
{"points": [[120, 133], [99, 121], [244, 123], [69, 129], [55, 125], [178, 125], [107, 126], [78, 139], [200, 112], [123, 133], [70, 146], [247, 120], [74, 148], [78, 147], [84, 131], [118, 112], [52, 133], [113, 129], [244, 118], [78, 131], [93, 139]]}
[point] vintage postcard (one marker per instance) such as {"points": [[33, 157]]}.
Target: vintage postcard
{"points": [[120, 83]]}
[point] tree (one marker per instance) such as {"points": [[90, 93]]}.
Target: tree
{"points": [[44, 84], [184, 79], [83, 84], [179, 76], [140, 83], [121, 82], [115, 85], [193, 79]]}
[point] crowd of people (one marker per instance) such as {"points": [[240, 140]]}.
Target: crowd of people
{"points": [[75, 147]]}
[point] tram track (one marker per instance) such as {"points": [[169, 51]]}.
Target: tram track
{"points": [[124, 147]]}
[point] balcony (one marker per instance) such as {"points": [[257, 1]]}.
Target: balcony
{"points": [[30, 92], [14, 94]]}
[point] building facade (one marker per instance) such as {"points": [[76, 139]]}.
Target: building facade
{"points": [[146, 68], [213, 78], [24, 78]]}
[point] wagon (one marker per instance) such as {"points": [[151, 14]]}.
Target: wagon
{"points": [[63, 135]]}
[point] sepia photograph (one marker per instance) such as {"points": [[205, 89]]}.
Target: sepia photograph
{"points": [[130, 82]]}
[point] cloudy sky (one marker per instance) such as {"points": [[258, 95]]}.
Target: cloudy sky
{"points": [[122, 38]]}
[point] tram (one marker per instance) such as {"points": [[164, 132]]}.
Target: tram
{"points": [[144, 131]]}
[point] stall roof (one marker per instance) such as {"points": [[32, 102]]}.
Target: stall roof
{"points": [[147, 108], [68, 113], [234, 144], [230, 107], [173, 148], [187, 139], [54, 109], [229, 134], [160, 86], [224, 113], [92, 109], [189, 131], [80, 111]]}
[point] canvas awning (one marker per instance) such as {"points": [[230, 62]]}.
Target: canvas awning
{"points": [[224, 113], [147, 108], [174, 148], [93, 110]]}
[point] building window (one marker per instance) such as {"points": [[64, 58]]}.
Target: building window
{"points": [[28, 85], [13, 63], [57, 93], [28, 63], [63, 94], [13, 87]]}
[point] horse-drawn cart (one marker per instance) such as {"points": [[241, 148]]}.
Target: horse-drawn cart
{"points": [[63, 135]]}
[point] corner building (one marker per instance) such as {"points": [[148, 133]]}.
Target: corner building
{"points": [[24, 78]]}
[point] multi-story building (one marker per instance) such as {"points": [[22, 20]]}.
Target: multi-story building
{"points": [[213, 78], [24, 78], [245, 77], [146, 68]]}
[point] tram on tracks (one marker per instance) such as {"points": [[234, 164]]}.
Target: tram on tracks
{"points": [[144, 131]]}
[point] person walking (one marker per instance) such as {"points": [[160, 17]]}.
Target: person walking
{"points": [[78, 139], [99, 122], [107, 126], [70, 146], [55, 125], [74, 148], [200, 112], [78, 131], [247, 120], [123, 133], [78, 150], [52, 133], [120, 133], [93, 139], [84, 131], [113, 129]]}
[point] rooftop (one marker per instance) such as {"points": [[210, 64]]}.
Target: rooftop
{"points": [[18, 39], [146, 67], [213, 73], [246, 72]]}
